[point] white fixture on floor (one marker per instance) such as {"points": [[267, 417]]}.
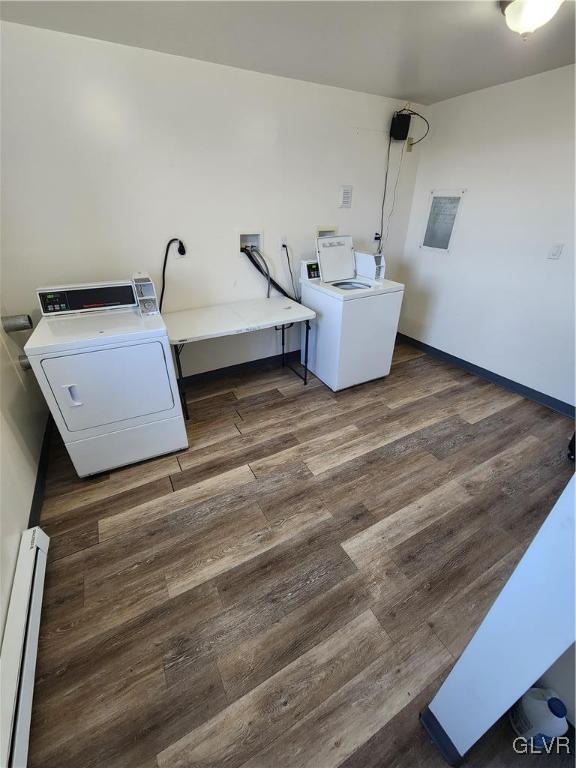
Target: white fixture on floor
{"points": [[19, 648], [352, 339], [107, 374]]}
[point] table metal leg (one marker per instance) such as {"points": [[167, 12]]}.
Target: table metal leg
{"points": [[177, 350], [306, 351], [287, 365]]}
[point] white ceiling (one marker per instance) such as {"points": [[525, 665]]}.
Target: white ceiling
{"points": [[419, 50]]}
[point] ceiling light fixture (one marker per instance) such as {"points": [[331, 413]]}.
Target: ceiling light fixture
{"points": [[524, 16]]}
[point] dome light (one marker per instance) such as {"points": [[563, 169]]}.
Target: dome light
{"points": [[524, 16]]}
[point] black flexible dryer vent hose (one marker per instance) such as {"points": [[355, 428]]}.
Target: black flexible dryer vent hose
{"points": [[247, 252]]}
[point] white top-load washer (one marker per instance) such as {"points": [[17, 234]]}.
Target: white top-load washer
{"points": [[107, 374], [352, 339]]}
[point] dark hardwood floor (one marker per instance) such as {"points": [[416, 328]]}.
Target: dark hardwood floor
{"points": [[292, 589]]}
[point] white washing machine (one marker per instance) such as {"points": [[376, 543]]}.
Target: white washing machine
{"points": [[107, 374], [352, 338]]}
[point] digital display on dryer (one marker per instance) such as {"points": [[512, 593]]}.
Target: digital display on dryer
{"points": [[54, 302]]}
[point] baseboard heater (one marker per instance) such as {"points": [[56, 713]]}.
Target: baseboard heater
{"points": [[19, 648]]}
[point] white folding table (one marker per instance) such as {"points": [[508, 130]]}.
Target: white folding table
{"points": [[202, 323]]}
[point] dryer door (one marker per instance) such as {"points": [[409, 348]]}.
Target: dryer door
{"points": [[106, 386]]}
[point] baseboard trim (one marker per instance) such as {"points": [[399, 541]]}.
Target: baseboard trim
{"points": [[249, 365], [532, 394], [440, 738], [38, 495]]}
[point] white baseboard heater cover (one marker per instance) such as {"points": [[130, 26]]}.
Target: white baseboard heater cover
{"points": [[19, 648]]}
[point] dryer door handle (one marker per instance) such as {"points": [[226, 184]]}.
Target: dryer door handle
{"points": [[72, 390]]}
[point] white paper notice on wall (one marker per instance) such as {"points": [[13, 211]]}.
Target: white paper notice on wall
{"points": [[345, 200], [444, 207]]}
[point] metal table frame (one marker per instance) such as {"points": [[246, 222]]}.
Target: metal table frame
{"points": [[225, 320], [304, 376], [180, 378]]}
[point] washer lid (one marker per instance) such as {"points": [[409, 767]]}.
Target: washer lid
{"points": [[95, 329], [336, 258]]}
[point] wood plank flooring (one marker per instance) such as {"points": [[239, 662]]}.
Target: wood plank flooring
{"points": [[292, 589]]}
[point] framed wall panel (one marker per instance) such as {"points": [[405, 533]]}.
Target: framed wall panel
{"points": [[445, 205]]}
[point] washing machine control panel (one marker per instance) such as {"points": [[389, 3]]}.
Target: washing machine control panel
{"points": [[310, 270], [89, 297]]}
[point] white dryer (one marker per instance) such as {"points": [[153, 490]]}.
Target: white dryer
{"points": [[352, 338], [107, 374]]}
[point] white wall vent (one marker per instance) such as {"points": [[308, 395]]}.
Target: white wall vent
{"points": [[345, 196]]}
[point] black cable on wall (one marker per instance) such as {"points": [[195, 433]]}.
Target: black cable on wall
{"points": [[181, 251], [405, 111], [285, 247], [247, 252]]}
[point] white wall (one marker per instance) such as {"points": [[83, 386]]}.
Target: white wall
{"points": [[111, 150], [22, 421], [495, 299]]}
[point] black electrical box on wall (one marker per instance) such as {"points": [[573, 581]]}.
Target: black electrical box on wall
{"points": [[400, 126]]}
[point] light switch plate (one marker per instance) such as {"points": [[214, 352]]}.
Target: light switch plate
{"points": [[556, 251]]}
